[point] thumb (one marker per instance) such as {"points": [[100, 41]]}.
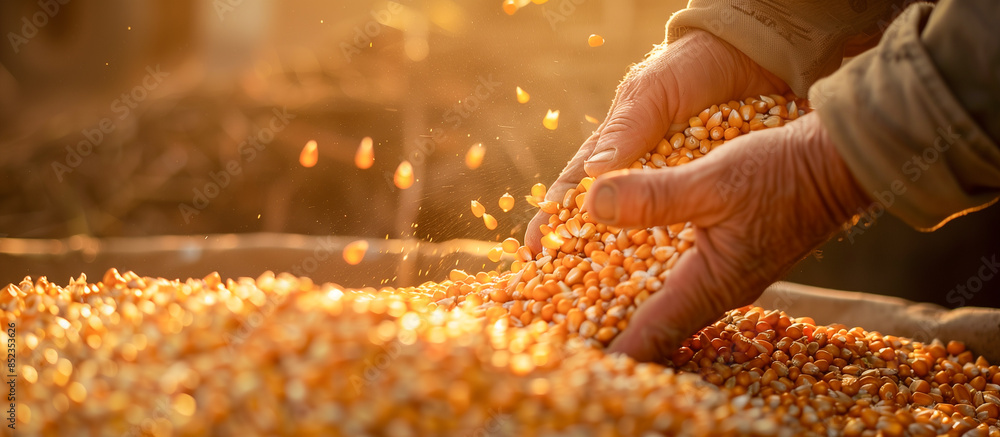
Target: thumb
{"points": [[637, 198], [637, 122]]}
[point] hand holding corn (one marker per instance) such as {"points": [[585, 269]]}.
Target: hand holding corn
{"points": [[750, 220], [659, 95], [758, 206]]}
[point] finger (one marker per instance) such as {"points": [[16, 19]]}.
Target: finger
{"points": [[691, 298], [633, 198], [568, 178], [638, 120]]}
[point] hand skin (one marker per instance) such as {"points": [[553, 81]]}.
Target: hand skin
{"points": [[760, 203], [794, 194], [671, 85]]}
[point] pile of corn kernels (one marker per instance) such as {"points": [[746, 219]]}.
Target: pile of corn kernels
{"points": [[518, 352]]}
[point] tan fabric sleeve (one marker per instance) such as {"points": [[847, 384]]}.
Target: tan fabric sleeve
{"points": [[913, 117], [799, 41]]}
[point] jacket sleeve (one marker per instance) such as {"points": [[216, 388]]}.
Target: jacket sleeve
{"points": [[917, 118], [800, 41]]}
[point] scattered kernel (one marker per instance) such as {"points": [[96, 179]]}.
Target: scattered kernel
{"points": [[495, 253], [491, 223], [364, 157], [538, 192], [404, 175], [506, 202], [551, 121], [595, 40], [510, 245], [478, 209], [522, 96], [309, 155], [510, 7], [474, 156], [355, 251]]}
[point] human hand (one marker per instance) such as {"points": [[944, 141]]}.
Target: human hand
{"points": [[759, 204], [672, 84]]}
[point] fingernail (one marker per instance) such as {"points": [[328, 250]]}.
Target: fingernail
{"points": [[605, 199], [602, 156]]}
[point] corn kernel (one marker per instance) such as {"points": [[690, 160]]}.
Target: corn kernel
{"points": [[474, 156], [309, 155], [355, 251], [510, 7], [495, 253], [478, 209], [522, 95], [551, 120], [506, 202], [364, 157], [489, 221], [403, 178]]}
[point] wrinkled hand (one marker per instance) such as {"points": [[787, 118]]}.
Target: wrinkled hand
{"points": [[760, 203], [674, 83]]}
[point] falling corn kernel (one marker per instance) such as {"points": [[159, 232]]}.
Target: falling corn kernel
{"points": [[365, 156], [552, 241], [474, 157], [404, 175], [506, 202], [495, 253], [538, 191], [522, 96], [491, 223], [591, 119], [510, 7], [355, 251], [510, 245], [551, 121], [478, 209], [309, 155], [595, 40]]}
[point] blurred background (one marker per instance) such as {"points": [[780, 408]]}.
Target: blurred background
{"points": [[165, 137]]}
